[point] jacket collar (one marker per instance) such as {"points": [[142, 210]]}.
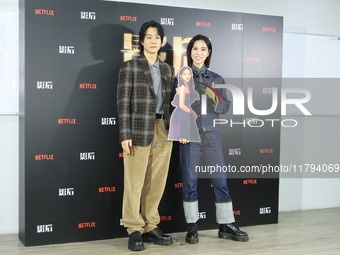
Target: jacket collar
{"points": [[144, 64], [203, 72]]}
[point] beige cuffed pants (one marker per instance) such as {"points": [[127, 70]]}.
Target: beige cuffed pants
{"points": [[145, 174]]}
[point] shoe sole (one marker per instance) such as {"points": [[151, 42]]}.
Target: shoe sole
{"points": [[233, 237], [191, 240], [133, 247], [157, 241]]}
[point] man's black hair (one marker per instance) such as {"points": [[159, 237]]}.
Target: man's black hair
{"points": [[145, 27]]}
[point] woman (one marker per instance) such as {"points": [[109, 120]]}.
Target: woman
{"points": [[199, 53], [182, 122]]}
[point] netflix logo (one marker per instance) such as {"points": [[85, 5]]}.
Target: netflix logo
{"points": [[203, 24], [247, 182], [266, 151], [166, 218], [128, 18], [67, 121], [87, 225], [252, 59], [44, 157], [106, 189], [87, 86], [178, 185], [44, 12], [269, 29]]}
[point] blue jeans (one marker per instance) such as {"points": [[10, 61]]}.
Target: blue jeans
{"points": [[190, 154]]}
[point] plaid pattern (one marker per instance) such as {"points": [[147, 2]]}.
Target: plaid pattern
{"points": [[136, 100]]}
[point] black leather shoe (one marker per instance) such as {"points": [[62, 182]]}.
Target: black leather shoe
{"points": [[192, 235], [135, 241], [231, 231], [156, 236]]}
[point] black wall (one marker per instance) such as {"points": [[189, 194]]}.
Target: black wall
{"points": [[71, 172]]}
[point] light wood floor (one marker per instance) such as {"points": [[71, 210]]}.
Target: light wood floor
{"points": [[303, 232]]}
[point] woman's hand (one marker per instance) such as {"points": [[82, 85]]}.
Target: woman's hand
{"points": [[183, 141]]}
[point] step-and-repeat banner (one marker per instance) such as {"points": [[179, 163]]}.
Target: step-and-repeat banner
{"points": [[71, 167]]}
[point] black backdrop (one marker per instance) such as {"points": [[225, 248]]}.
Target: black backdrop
{"points": [[71, 171]]}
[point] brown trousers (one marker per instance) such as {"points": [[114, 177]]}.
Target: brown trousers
{"points": [[145, 174]]}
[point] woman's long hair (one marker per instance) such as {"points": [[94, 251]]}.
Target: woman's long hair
{"points": [[191, 45], [191, 84]]}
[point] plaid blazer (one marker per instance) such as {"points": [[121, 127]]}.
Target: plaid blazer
{"points": [[136, 100]]}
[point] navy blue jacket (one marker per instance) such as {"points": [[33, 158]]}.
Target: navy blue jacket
{"points": [[213, 110]]}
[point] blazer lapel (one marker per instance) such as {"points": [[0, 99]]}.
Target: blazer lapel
{"points": [[163, 71], [146, 70]]}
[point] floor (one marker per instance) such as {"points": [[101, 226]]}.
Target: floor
{"points": [[302, 232]]}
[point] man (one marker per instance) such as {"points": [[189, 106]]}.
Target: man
{"points": [[144, 93]]}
